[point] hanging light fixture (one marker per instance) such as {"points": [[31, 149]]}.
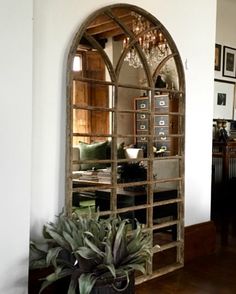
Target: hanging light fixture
{"points": [[152, 42]]}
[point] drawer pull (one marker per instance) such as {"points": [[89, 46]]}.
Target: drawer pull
{"points": [[164, 147], [162, 134]]}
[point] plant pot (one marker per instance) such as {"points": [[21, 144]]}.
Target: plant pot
{"points": [[61, 286], [119, 283]]}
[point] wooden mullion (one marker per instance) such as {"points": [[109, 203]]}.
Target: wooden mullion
{"points": [[165, 224], [167, 180], [158, 273], [113, 200], [109, 160], [122, 136], [97, 108], [166, 246], [77, 77], [133, 208], [69, 143], [166, 202], [116, 185], [180, 206]]}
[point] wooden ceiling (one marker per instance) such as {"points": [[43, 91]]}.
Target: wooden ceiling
{"points": [[104, 27]]}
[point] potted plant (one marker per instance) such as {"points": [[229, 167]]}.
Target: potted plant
{"points": [[92, 252]]}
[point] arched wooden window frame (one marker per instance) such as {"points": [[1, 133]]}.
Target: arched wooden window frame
{"points": [[150, 88]]}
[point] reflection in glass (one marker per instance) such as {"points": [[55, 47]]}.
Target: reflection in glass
{"points": [[125, 124], [77, 63], [151, 40], [164, 258]]}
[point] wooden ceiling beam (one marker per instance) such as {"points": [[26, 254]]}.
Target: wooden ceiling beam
{"points": [[108, 26], [104, 19]]}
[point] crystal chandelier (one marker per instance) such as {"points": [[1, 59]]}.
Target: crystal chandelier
{"points": [[152, 42]]}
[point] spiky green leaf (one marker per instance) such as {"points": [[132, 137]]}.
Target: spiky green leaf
{"points": [[52, 256], [108, 258], [37, 263], [120, 246], [111, 269], [86, 253], [72, 286], [37, 256], [70, 241], [57, 275], [66, 226], [58, 238], [88, 234], [93, 247], [137, 267], [78, 237], [86, 283], [35, 248]]}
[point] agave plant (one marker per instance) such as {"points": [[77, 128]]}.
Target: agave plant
{"points": [[91, 250]]}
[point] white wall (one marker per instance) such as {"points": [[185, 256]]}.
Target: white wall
{"points": [[196, 45], [55, 22], [192, 28], [225, 29], [225, 36], [15, 147]]}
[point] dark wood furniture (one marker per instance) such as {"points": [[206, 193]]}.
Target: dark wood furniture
{"points": [[138, 199], [161, 122], [165, 204], [166, 122], [223, 188], [226, 151]]}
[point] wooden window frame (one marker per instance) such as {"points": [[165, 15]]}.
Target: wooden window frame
{"points": [[150, 90]]}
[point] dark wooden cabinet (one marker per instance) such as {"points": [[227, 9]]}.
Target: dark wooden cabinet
{"points": [[139, 199], [224, 158], [161, 122], [133, 198]]}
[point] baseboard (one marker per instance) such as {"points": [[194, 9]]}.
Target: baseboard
{"points": [[200, 240]]}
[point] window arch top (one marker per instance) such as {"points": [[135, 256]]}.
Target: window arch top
{"points": [[126, 35]]}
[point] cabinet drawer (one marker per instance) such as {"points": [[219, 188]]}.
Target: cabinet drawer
{"points": [[142, 116], [142, 125], [162, 145], [142, 104], [161, 120], [161, 103], [142, 139], [142, 145], [163, 132]]}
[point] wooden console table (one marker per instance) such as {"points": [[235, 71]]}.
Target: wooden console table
{"points": [[139, 198], [223, 200], [226, 151]]}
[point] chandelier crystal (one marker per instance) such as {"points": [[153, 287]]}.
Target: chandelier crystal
{"points": [[152, 42]]}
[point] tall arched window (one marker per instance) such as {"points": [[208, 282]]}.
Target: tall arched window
{"points": [[125, 127]]}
